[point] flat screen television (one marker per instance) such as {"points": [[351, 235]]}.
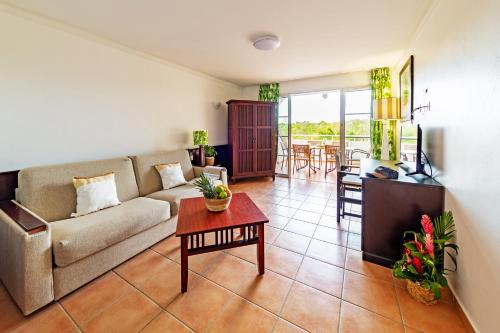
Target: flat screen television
{"points": [[410, 149]]}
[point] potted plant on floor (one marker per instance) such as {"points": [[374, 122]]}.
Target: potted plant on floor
{"points": [[217, 198], [422, 264], [210, 154]]}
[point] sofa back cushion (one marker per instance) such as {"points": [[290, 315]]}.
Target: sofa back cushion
{"points": [[148, 178], [49, 191]]}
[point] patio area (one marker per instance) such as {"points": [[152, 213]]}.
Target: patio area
{"points": [[312, 156]]}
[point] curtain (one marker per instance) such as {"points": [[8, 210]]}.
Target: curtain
{"points": [[269, 92], [381, 88], [376, 138], [391, 132], [381, 82]]}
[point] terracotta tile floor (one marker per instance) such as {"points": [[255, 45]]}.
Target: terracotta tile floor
{"points": [[315, 281]]}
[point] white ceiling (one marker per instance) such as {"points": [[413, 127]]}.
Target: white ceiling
{"points": [[319, 37]]}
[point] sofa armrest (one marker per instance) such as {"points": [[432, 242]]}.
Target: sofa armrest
{"points": [[215, 170], [26, 262]]}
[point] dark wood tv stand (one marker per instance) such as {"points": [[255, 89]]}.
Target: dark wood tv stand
{"points": [[392, 206]]}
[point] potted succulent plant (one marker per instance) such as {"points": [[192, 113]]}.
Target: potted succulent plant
{"points": [[210, 154], [217, 198], [422, 264]]}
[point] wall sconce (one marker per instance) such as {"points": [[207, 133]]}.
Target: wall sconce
{"points": [[422, 108], [217, 105]]}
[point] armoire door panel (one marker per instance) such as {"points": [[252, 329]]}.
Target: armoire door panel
{"points": [[264, 160], [264, 115], [245, 138], [264, 138], [245, 161], [245, 115]]}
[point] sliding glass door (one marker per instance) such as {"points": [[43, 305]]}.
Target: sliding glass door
{"points": [[357, 115], [338, 117], [283, 149]]}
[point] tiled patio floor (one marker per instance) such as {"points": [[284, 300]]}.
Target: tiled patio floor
{"points": [[315, 281], [318, 176]]}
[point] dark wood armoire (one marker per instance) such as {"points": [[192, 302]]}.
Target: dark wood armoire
{"points": [[252, 138]]}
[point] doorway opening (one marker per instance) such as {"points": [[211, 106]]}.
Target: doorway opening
{"points": [[316, 128]]}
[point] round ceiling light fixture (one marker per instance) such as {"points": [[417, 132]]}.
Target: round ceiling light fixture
{"points": [[267, 43]]}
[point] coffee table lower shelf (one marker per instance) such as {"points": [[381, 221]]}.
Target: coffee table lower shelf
{"points": [[194, 244]]}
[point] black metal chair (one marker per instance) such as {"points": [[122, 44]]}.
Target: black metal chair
{"points": [[347, 181], [356, 155]]}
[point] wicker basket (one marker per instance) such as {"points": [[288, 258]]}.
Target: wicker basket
{"points": [[420, 293], [217, 205]]}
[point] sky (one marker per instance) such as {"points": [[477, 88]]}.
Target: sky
{"points": [[315, 107]]}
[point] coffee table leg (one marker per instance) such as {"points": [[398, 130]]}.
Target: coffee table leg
{"points": [[260, 248], [184, 264]]}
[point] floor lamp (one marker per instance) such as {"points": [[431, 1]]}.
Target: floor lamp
{"points": [[386, 109]]}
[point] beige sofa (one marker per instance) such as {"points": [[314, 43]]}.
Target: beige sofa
{"points": [[45, 266]]}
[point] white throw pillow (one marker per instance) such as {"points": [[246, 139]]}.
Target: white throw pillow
{"points": [[95, 193], [171, 175]]}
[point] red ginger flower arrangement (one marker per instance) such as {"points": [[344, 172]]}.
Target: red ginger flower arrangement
{"points": [[423, 255], [428, 229], [417, 264], [427, 224]]}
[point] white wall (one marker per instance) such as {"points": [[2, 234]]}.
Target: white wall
{"points": [[457, 58], [68, 96], [359, 79]]}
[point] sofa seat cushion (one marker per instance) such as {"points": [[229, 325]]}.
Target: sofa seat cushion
{"points": [[174, 196], [76, 238]]}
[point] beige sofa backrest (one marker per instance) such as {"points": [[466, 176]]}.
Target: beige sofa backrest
{"points": [[49, 192], [148, 179]]}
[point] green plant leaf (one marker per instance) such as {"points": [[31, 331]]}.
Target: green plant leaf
{"points": [[452, 246], [454, 260], [442, 280], [426, 284], [410, 246], [409, 232], [412, 269], [418, 255], [205, 185], [436, 290], [398, 272], [210, 151]]}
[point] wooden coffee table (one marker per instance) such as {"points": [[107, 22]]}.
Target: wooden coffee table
{"points": [[195, 221]]}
